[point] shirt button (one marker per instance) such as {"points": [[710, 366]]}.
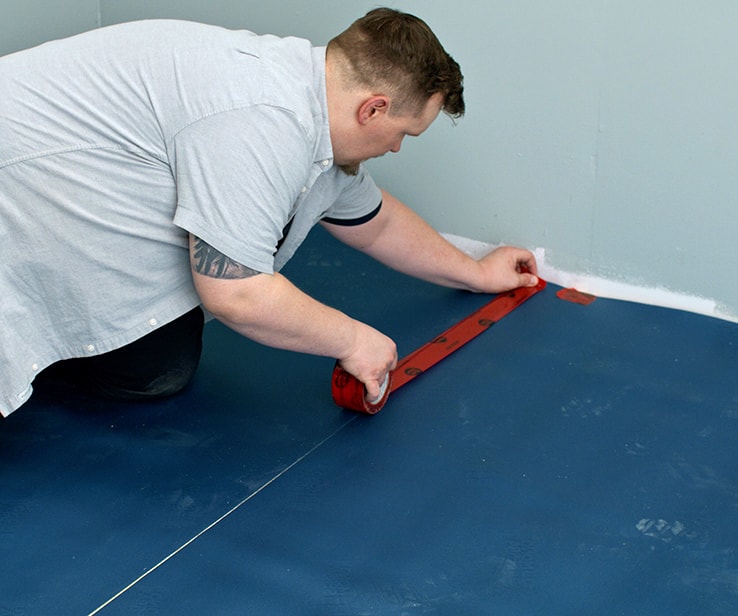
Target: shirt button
{"points": [[34, 367], [153, 322], [90, 348], [325, 163], [304, 189]]}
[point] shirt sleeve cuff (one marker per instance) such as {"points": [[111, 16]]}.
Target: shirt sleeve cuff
{"points": [[352, 222]]}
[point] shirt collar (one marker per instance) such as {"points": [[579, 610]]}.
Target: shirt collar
{"points": [[323, 149]]}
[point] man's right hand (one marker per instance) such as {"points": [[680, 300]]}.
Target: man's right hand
{"points": [[372, 359]]}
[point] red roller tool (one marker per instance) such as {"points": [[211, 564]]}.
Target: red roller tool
{"points": [[349, 392]]}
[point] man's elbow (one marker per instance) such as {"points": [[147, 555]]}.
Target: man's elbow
{"points": [[234, 302]]}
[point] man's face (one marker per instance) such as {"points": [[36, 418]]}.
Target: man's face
{"points": [[385, 132]]}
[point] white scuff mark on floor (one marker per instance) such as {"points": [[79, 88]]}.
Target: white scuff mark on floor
{"points": [[660, 529], [603, 287]]}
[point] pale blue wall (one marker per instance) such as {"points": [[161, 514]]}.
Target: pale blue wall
{"points": [[24, 23], [604, 132]]}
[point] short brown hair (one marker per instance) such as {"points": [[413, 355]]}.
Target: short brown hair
{"points": [[398, 51]]}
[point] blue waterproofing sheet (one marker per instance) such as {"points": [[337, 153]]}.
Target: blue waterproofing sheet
{"points": [[571, 460]]}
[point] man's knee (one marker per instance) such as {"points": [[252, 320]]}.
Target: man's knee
{"points": [[169, 382], [159, 365]]}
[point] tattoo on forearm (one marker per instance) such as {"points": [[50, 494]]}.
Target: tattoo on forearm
{"points": [[207, 261]]}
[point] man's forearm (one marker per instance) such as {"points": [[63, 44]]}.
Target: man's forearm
{"points": [[271, 310], [402, 240]]}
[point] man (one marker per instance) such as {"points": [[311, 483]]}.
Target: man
{"points": [[151, 168]]}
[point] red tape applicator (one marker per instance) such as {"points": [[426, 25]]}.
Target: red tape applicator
{"points": [[350, 393]]}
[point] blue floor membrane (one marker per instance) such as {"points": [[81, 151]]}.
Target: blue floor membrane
{"points": [[571, 460]]}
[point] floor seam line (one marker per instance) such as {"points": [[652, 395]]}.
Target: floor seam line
{"points": [[223, 517]]}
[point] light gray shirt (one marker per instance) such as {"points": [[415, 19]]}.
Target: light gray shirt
{"points": [[115, 144]]}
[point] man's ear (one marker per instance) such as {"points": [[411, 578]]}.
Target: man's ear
{"points": [[372, 108]]}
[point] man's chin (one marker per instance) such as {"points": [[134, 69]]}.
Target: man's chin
{"points": [[350, 169]]}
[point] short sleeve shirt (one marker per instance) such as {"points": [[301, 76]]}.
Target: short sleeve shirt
{"points": [[117, 143]]}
